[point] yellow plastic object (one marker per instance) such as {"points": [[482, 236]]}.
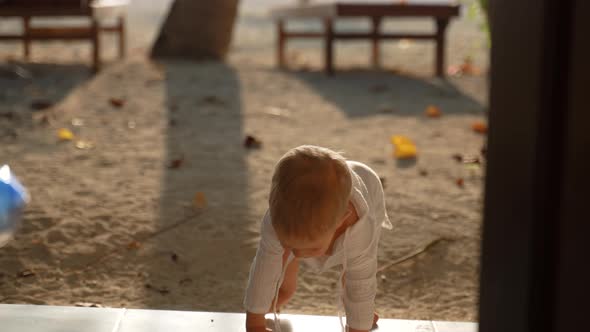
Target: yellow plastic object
{"points": [[65, 134], [403, 147]]}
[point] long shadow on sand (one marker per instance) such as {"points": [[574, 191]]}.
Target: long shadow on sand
{"points": [[29, 89], [361, 93], [205, 179], [22, 84]]}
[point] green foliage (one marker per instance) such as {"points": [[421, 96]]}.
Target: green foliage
{"points": [[478, 11]]}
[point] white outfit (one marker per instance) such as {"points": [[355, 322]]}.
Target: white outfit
{"points": [[355, 250]]}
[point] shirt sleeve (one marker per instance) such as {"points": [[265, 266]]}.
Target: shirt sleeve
{"points": [[360, 287], [265, 270], [380, 211]]}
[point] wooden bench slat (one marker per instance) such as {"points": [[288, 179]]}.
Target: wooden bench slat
{"points": [[397, 10], [336, 10], [360, 35], [44, 11], [60, 33]]}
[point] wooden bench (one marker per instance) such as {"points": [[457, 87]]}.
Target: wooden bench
{"points": [[95, 11], [329, 12]]}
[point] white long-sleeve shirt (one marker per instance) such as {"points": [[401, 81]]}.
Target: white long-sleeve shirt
{"points": [[355, 250]]}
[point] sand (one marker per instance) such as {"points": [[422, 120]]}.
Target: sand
{"points": [[115, 223]]}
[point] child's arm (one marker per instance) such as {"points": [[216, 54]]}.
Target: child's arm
{"points": [[265, 273], [360, 282], [360, 288]]}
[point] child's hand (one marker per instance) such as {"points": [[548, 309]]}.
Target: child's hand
{"points": [[258, 329], [256, 323]]}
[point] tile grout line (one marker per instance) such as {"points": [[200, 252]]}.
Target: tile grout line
{"points": [[119, 320]]}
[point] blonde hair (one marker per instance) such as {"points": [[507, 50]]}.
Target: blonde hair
{"points": [[310, 189]]}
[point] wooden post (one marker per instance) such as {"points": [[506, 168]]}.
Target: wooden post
{"points": [[122, 37], [26, 36], [441, 27], [328, 46], [95, 45], [281, 41], [376, 61]]}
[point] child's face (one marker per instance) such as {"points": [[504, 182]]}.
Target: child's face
{"points": [[317, 247]]}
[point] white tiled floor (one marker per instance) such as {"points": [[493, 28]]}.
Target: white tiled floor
{"points": [[29, 318]]}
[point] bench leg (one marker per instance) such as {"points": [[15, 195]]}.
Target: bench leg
{"points": [[95, 46], [328, 46], [441, 27], [122, 37], [376, 60], [281, 43], [26, 37]]}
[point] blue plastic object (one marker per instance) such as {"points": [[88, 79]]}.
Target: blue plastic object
{"points": [[13, 198]]}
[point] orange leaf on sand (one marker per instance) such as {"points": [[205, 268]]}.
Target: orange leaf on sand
{"points": [[117, 102], [404, 148], [200, 200], [65, 134], [479, 127], [433, 111], [134, 245], [467, 67], [460, 182]]}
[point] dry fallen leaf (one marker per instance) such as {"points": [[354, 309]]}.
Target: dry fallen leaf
{"points": [[460, 182], [213, 100], [117, 102], [45, 120], [200, 200], [133, 245], [40, 105], [466, 68], [251, 142], [433, 111], [161, 290], [479, 127], [471, 160], [176, 163], [84, 145], [65, 134], [277, 111], [76, 122], [25, 274]]}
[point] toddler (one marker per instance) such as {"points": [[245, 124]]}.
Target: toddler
{"points": [[326, 212]]}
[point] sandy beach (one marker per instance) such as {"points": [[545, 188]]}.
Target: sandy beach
{"points": [[156, 203]]}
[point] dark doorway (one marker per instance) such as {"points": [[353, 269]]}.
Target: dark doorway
{"points": [[535, 247]]}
